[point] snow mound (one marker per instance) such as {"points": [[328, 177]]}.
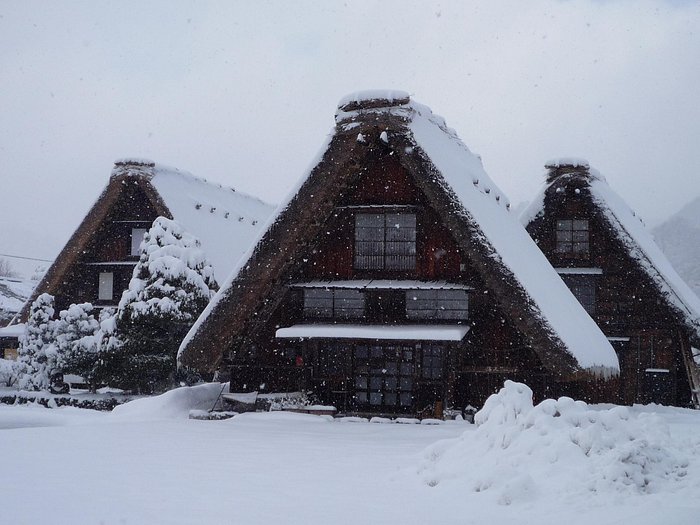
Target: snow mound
{"points": [[175, 403], [556, 448]]}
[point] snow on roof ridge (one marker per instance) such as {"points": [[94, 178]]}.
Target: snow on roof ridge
{"points": [[135, 161], [387, 95], [576, 162]]}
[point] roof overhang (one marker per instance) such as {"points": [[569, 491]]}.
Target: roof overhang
{"points": [[413, 332], [383, 284]]}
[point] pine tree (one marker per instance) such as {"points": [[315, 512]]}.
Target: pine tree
{"points": [[37, 355], [109, 357], [74, 332], [171, 285]]}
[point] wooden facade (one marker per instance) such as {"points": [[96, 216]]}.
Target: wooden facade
{"points": [[331, 299], [650, 336]]}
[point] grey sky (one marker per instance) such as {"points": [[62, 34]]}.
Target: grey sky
{"points": [[243, 93]]}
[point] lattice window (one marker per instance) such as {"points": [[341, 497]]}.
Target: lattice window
{"points": [[437, 304], [333, 302], [572, 236], [385, 241], [433, 361]]}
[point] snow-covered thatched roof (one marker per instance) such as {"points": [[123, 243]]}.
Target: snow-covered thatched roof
{"points": [[472, 206], [630, 230], [224, 220]]}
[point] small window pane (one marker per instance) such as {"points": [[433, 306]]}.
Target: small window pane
{"points": [[105, 290], [572, 236], [390, 399], [136, 238], [361, 397], [375, 398], [405, 399]]}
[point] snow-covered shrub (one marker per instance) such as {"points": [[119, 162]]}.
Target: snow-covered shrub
{"points": [[8, 372], [171, 285], [558, 446], [37, 354]]}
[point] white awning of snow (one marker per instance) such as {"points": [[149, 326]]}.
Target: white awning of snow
{"points": [[579, 271], [417, 332], [374, 284], [15, 330]]}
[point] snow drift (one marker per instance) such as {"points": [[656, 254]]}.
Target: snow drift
{"points": [[175, 403], [556, 448]]}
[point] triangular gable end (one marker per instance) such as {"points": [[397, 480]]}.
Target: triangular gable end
{"points": [[422, 144], [125, 173]]}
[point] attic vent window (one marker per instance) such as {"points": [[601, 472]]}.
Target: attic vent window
{"points": [[385, 241], [572, 236]]}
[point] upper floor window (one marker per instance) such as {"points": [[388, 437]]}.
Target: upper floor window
{"points": [[105, 287], [437, 304], [136, 238], [572, 236], [334, 303], [385, 241]]}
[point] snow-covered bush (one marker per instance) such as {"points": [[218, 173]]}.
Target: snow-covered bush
{"points": [[558, 446], [37, 354], [171, 285], [8, 372]]}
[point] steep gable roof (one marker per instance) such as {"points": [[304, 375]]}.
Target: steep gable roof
{"points": [[470, 204], [224, 220], [629, 229]]}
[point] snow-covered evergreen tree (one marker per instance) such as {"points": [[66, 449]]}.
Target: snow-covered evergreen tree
{"points": [[74, 333], [109, 358], [37, 355], [171, 285]]}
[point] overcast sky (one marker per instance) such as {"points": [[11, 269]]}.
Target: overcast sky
{"points": [[243, 93]]}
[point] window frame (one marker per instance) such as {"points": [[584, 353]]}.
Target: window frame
{"points": [[105, 283], [437, 304], [572, 236], [135, 250], [380, 246], [333, 303]]}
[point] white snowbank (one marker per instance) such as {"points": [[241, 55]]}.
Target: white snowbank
{"points": [[175, 403], [557, 448]]}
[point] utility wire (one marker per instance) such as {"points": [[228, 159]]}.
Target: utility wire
{"points": [[27, 258]]}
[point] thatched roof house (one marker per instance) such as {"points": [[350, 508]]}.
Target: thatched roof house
{"points": [[610, 260], [391, 159], [96, 263]]}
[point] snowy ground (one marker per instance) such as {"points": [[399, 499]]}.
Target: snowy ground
{"points": [[147, 463]]}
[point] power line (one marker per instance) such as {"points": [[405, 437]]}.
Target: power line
{"points": [[27, 258]]}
